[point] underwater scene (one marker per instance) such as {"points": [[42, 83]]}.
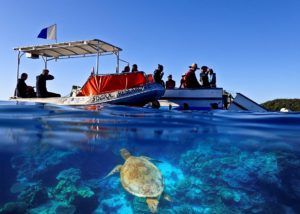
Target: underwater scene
{"points": [[118, 159]]}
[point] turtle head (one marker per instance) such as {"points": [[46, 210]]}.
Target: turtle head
{"points": [[125, 154]]}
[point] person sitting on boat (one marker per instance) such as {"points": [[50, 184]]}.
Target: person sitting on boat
{"points": [[41, 88], [158, 75], [134, 68], [182, 81], [211, 78], [190, 78], [170, 83], [204, 76], [126, 69], [22, 89]]}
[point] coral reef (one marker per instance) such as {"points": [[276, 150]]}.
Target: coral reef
{"points": [[41, 164], [228, 180], [202, 179], [113, 198], [68, 195], [14, 208], [34, 195], [70, 190], [171, 175], [54, 207]]}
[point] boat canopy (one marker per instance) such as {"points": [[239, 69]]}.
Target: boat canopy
{"points": [[71, 49], [66, 50]]}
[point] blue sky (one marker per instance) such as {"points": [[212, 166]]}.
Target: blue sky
{"points": [[252, 45]]}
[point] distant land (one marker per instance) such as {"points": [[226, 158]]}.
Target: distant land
{"points": [[277, 104]]}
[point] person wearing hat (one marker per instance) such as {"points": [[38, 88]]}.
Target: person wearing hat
{"points": [[158, 75], [190, 78], [170, 84]]}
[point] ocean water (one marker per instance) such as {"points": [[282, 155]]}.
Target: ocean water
{"points": [[54, 159]]}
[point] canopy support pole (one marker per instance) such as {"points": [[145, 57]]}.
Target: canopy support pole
{"points": [[20, 54], [97, 65], [45, 61], [18, 67], [118, 62]]}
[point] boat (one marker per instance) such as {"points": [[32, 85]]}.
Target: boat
{"points": [[208, 99], [193, 99], [134, 89]]}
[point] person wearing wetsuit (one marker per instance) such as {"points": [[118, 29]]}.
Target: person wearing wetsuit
{"points": [[41, 88], [22, 89], [158, 75]]}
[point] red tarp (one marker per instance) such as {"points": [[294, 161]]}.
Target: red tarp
{"points": [[108, 83]]}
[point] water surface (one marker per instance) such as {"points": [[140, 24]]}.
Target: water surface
{"points": [[53, 159]]}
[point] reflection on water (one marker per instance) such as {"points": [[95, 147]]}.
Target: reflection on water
{"points": [[53, 159]]}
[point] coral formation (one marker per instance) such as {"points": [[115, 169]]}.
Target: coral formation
{"points": [[202, 179], [14, 208], [70, 190], [40, 164], [113, 198]]}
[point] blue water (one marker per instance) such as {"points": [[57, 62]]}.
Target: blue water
{"points": [[53, 159]]}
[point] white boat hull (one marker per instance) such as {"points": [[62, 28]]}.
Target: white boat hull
{"points": [[138, 96], [194, 99]]}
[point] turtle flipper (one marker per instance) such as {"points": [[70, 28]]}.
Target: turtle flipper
{"points": [[151, 159], [113, 171], [152, 204]]}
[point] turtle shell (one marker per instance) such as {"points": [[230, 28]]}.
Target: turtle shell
{"points": [[141, 178]]}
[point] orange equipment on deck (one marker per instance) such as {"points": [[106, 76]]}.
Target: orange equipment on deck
{"points": [[108, 83]]}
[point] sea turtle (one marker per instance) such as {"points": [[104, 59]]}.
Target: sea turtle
{"points": [[141, 178]]}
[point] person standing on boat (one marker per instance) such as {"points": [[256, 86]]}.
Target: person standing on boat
{"points": [[190, 77], [158, 75], [134, 68], [211, 78], [41, 88], [22, 89], [204, 76], [170, 84]]}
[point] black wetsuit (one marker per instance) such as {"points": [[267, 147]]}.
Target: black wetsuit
{"points": [[158, 75], [41, 89], [204, 79], [21, 90]]}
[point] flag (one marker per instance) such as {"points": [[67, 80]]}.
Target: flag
{"points": [[48, 33]]}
